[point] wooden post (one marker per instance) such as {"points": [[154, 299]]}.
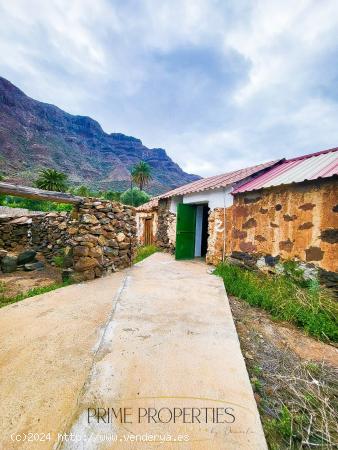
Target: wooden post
{"points": [[38, 194]]}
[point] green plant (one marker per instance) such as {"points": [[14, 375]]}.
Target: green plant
{"points": [[4, 301], [59, 260], [314, 310], [144, 252], [52, 180], [134, 197], [282, 425], [256, 384], [141, 174], [33, 205], [2, 290]]}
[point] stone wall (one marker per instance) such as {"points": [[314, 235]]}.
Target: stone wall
{"points": [[104, 239], [298, 221], [98, 237], [46, 233], [166, 226]]}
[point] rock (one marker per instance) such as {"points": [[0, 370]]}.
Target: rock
{"points": [[9, 264], [67, 261], [88, 275], [3, 253], [26, 257], [85, 263], [95, 252], [108, 251], [120, 237], [89, 218], [39, 265], [81, 250], [124, 245]]}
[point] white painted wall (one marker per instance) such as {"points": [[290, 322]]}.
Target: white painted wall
{"points": [[215, 198], [174, 202]]}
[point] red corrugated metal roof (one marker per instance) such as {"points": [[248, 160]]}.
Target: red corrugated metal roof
{"points": [[307, 167], [218, 181]]}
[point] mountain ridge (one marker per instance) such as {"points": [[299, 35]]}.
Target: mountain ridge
{"points": [[36, 135]]}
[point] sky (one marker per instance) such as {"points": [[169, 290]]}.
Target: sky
{"points": [[220, 84]]}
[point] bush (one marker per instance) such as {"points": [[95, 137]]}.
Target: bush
{"points": [[134, 197], [33, 205], [315, 310]]}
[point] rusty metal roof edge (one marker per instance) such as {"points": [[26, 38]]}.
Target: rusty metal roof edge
{"points": [[283, 184]]}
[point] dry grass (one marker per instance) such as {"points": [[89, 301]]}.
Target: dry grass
{"points": [[297, 399]]}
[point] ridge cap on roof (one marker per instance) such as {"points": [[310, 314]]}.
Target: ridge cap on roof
{"points": [[310, 155], [199, 183]]}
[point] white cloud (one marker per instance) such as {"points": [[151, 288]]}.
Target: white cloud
{"points": [[219, 84]]}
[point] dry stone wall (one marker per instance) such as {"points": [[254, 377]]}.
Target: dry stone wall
{"points": [[166, 226], [97, 237]]}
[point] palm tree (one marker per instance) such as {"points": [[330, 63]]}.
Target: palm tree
{"points": [[52, 180], [141, 174]]}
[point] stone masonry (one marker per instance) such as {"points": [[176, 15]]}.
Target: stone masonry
{"points": [[99, 236]]}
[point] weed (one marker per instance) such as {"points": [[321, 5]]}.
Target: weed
{"points": [[4, 301], [315, 310], [59, 260], [257, 370], [144, 252]]}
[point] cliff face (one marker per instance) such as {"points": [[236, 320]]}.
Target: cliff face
{"points": [[35, 135]]}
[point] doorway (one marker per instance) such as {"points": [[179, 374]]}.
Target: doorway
{"points": [[148, 232], [191, 231]]}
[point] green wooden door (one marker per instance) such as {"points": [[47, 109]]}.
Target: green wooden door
{"points": [[185, 231]]}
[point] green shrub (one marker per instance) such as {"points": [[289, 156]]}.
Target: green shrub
{"points": [[315, 310], [134, 197]]}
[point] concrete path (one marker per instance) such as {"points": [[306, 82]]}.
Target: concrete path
{"points": [[167, 364]]}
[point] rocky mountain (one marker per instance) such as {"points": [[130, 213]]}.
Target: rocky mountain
{"points": [[35, 135]]}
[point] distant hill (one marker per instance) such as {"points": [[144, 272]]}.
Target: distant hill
{"points": [[35, 135]]}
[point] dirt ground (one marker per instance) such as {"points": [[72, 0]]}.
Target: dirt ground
{"points": [[294, 378], [20, 281]]}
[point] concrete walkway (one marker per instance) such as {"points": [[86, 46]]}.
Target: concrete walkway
{"points": [[167, 363]]}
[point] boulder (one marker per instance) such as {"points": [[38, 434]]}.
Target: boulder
{"points": [[85, 263], [39, 265], [9, 264], [26, 257]]}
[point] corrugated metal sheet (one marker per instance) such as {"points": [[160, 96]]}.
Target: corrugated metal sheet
{"points": [[308, 167], [218, 181]]}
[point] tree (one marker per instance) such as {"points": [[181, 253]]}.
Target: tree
{"points": [[141, 174], [52, 180], [82, 191], [134, 197]]}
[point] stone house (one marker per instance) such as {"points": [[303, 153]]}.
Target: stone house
{"points": [[196, 201], [289, 212], [285, 209], [146, 222]]}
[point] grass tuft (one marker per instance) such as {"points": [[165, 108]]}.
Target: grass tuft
{"points": [[4, 301], [314, 310], [144, 252]]}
